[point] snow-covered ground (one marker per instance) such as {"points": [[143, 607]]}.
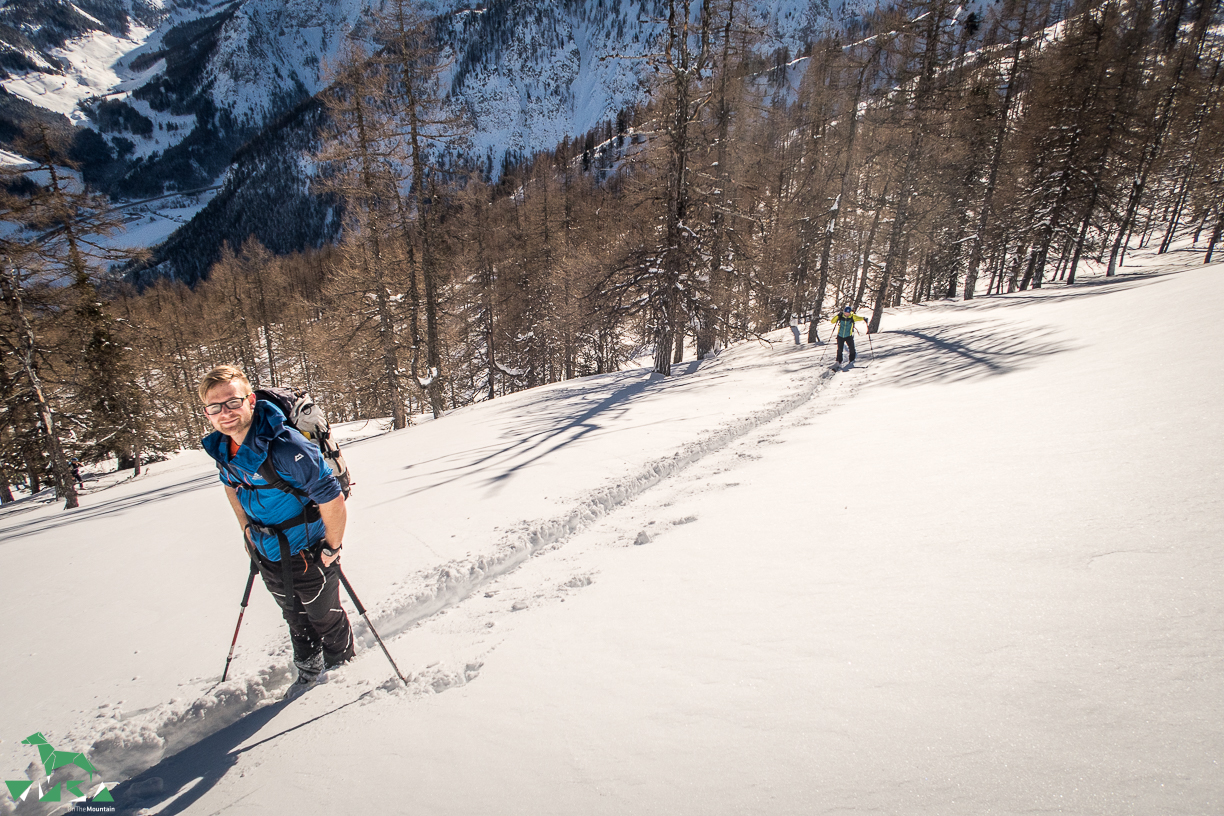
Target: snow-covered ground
{"points": [[148, 224], [978, 573], [93, 70]]}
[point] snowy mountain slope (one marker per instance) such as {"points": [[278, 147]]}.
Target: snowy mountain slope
{"points": [[172, 107], [45, 36], [500, 443], [90, 71], [254, 59], [257, 59], [531, 73], [975, 574]]}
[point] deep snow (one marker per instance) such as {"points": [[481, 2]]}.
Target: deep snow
{"points": [[979, 573]]}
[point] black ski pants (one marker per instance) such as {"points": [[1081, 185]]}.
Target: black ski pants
{"points": [[313, 611], [845, 341]]}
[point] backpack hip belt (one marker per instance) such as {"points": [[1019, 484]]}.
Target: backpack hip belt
{"points": [[309, 515]]}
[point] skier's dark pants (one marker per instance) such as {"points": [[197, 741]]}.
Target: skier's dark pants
{"points": [[845, 341], [313, 612]]}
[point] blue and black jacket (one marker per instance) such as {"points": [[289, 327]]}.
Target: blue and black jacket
{"points": [[308, 481]]}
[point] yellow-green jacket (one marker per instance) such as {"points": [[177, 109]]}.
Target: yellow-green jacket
{"points": [[845, 328]]}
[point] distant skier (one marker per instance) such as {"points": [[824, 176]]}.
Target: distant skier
{"points": [[292, 513], [845, 331], [76, 473]]}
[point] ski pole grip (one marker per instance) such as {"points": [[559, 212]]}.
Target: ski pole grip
{"points": [[246, 595]]}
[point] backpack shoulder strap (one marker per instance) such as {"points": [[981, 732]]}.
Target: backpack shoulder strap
{"points": [[277, 482], [274, 480]]}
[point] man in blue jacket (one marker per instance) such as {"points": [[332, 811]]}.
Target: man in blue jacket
{"points": [[291, 511]]}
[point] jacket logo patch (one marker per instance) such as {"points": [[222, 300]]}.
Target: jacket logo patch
{"points": [[297, 458]]}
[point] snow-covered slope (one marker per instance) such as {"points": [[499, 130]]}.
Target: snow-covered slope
{"points": [[530, 73], [253, 59], [977, 573], [92, 62], [174, 92], [262, 56], [53, 37]]}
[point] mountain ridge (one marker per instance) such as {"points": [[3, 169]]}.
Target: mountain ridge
{"points": [[211, 78]]}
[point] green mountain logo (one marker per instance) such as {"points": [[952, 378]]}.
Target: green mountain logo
{"points": [[52, 761]]}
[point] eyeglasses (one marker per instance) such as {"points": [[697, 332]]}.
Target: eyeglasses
{"points": [[214, 408]]}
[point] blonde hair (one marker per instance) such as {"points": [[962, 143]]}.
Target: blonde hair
{"points": [[222, 374]]}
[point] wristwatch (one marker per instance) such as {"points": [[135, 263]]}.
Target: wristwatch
{"points": [[330, 552]]}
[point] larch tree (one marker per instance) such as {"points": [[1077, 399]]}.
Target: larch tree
{"points": [[413, 72], [59, 241], [685, 60], [1174, 68], [913, 107], [1015, 22], [358, 156]]}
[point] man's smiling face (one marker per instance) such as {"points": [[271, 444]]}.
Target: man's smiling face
{"points": [[233, 422]]}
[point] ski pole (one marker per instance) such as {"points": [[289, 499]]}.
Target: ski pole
{"points": [[825, 348], [870, 345], [246, 597], [361, 610]]}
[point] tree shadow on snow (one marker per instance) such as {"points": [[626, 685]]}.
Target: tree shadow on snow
{"points": [[947, 354], [20, 529], [967, 351], [1083, 288], [556, 419]]}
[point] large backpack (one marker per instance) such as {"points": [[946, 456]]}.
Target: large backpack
{"points": [[302, 413]]}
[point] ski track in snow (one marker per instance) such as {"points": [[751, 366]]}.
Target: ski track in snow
{"points": [[124, 745], [444, 623]]}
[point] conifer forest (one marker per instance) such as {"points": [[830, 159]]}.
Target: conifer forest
{"points": [[923, 153]]}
